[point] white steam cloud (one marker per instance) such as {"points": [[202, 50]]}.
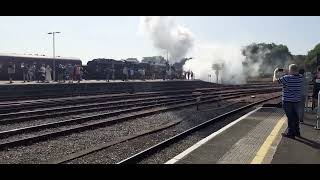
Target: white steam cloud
{"points": [[262, 61], [256, 62], [207, 55], [167, 35]]}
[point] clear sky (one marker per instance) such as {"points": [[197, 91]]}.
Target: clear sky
{"points": [[88, 37]]}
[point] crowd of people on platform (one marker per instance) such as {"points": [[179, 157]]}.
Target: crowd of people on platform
{"points": [[131, 74], [43, 73], [69, 73]]}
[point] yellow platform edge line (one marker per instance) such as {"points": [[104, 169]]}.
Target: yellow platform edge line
{"points": [[258, 159]]}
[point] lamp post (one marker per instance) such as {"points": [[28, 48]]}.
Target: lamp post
{"points": [[54, 61]]}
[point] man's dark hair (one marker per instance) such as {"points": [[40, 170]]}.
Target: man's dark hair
{"points": [[301, 71]]}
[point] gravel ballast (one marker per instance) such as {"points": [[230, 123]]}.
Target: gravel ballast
{"points": [[55, 148], [124, 150]]}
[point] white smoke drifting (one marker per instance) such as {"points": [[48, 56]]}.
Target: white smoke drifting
{"points": [[167, 35], [256, 61], [263, 60], [206, 55]]}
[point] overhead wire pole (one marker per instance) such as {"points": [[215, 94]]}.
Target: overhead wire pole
{"points": [[54, 57]]}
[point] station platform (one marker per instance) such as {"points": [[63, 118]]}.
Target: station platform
{"points": [[19, 82], [255, 138]]}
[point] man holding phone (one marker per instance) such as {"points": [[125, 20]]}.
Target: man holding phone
{"points": [[291, 97]]}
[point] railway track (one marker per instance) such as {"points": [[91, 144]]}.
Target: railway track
{"points": [[138, 157], [77, 94], [6, 108], [126, 114], [61, 111], [149, 150], [18, 117], [166, 91]]}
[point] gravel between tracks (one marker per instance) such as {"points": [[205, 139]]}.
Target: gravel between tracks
{"points": [[92, 101], [57, 119], [49, 106], [190, 117], [61, 146], [15, 137]]}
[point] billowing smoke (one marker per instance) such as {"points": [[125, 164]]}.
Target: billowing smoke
{"points": [[261, 59], [238, 63], [254, 63], [168, 36], [207, 55]]}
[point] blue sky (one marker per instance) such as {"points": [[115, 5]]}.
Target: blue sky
{"points": [[89, 37]]}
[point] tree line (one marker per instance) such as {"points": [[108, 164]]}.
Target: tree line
{"points": [[263, 58]]}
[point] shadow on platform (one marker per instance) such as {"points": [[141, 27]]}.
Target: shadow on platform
{"points": [[308, 142]]}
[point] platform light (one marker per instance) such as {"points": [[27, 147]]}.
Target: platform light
{"points": [[54, 62]]}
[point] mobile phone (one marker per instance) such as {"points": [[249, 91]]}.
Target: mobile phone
{"points": [[280, 70]]}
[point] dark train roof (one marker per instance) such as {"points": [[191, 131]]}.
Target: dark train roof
{"points": [[38, 56]]}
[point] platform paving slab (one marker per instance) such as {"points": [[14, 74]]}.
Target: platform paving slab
{"points": [[238, 144]]}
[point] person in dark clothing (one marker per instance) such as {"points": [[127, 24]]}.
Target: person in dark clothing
{"points": [[39, 73], [42, 73], [81, 73], [188, 74], [25, 68], [65, 73], [107, 72], [291, 97], [74, 73], [31, 73], [191, 75], [60, 73], [11, 71], [34, 72], [85, 74], [70, 71], [164, 72]]}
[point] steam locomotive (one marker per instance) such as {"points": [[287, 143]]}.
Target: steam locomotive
{"points": [[95, 69]]}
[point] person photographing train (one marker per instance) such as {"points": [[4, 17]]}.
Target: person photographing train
{"points": [[291, 97]]}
